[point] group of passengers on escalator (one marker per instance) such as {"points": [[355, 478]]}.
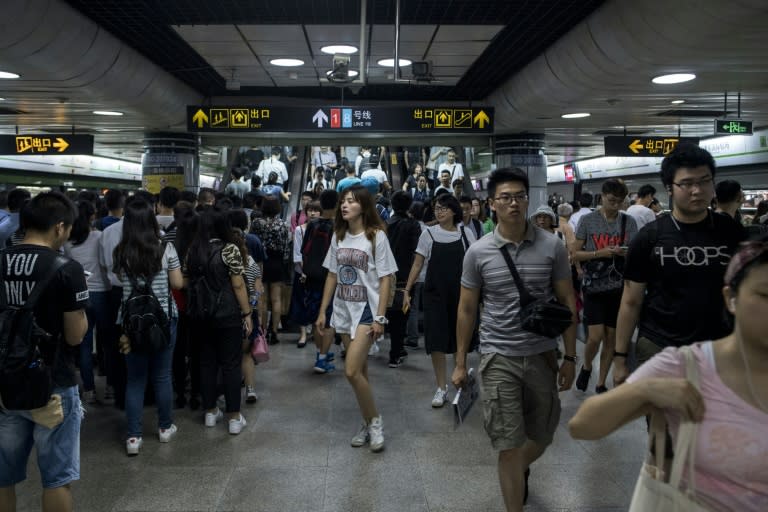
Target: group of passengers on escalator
{"points": [[360, 258]]}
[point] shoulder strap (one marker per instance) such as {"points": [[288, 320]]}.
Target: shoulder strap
{"points": [[429, 232], [40, 286], [464, 238], [525, 296], [623, 229]]}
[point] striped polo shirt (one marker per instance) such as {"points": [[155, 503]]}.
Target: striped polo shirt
{"points": [[541, 259]]}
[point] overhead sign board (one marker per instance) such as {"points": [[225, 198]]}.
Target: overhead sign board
{"points": [[46, 144], [733, 127], [262, 118], [644, 146]]}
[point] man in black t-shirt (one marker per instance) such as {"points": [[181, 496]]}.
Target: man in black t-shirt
{"points": [[60, 310], [675, 266]]}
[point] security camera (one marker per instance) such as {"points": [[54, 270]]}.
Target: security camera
{"points": [[340, 71], [340, 60]]}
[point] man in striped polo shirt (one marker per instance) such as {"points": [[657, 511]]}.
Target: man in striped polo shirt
{"points": [[519, 370]]}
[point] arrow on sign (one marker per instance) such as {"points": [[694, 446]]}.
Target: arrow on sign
{"points": [[200, 118], [61, 144], [481, 118], [320, 118], [636, 146]]}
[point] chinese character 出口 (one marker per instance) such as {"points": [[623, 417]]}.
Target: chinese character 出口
{"points": [[669, 145], [417, 113]]}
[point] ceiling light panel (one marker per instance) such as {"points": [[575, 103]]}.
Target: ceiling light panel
{"points": [[344, 49], [9, 75], [287, 62], [674, 78]]}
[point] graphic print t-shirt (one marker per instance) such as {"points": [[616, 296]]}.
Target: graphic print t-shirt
{"points": [[23, 266], [599, 233], [357, 272], [683, 272]]}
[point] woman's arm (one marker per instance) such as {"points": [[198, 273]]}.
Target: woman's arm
{"points": [[176, 279], [601, 414]]}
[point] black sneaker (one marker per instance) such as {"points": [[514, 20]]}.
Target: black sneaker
{"points": [[600, 389], [395, 363], [272, 338], [412, 344], [582, 382]]}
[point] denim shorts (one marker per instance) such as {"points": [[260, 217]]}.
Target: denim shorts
{"points": [[58, 449]]}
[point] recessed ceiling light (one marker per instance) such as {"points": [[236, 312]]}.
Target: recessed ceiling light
{"points": [[107, 113], [390, 63], [674, 78], [209, 153], [287, 62], [677, 102], [339, 48], [2, 99], [350, 73], [8, 74], [576, 115]]}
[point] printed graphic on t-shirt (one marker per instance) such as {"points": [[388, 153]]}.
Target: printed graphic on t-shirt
{"points": [[19, 266], [693, 256], [603, 240], [349, 262]]}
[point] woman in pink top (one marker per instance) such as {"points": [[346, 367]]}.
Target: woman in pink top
{"points": [[732, 405]]}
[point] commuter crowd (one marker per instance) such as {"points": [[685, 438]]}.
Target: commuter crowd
{"points": [[171, 298]]}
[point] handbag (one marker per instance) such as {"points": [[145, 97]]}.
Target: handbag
{"points": [[652, 493], [606, 275], [547, 318], [259, 347]]}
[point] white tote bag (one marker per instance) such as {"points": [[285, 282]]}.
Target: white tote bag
{"points": [[652, 492]]}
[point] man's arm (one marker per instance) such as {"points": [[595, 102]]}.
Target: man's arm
{"points": [[75, 326], [465, 324], [629, 314]]}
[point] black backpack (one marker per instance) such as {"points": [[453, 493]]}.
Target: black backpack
{"points": [[314, 247], [25, 378], [145, 322], [206, 302]]}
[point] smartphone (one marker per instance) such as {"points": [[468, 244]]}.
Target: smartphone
{"points": [[624, 247], [87, 274]]}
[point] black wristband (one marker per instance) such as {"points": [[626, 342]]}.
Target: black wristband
{"points": [[620, 354], [571, 359]]}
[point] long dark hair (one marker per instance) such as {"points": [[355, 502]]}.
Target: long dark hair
{"points": [[185, 218], [81, 228], [371, 219], [139, 252], [211, 223]]}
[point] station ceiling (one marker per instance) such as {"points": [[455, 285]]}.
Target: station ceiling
{"points": [[534, 60]]}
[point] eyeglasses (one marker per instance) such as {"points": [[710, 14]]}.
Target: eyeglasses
{"points": [[510, 198], [688, 185], [441, 209]]}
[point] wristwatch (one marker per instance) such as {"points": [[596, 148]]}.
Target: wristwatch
{"points": [[572, 359], [381, 320]]}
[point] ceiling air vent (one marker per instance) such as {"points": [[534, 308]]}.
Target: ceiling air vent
{"points": [[694, 113]]}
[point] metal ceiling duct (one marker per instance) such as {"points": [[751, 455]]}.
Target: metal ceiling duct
{"points": [[55, 48], [617, 50]]}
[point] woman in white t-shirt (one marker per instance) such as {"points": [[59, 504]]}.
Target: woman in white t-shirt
{"points": [[359, 263], [441, 250]]}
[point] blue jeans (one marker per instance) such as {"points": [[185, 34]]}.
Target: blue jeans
{"points": [[412, 328], [158, 367], [96, 311], [58, 448]]}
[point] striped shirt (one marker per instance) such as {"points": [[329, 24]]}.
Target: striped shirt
{"points": [[160, 285], [541, 259]]}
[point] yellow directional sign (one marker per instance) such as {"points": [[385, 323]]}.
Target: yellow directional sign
{"points": [[443, 118], [462, 118], [46, 144], [481, 119], [238, 118], [200, 118], [636, 146]]}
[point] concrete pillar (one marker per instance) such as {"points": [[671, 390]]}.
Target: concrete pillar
{"points": [[170, 160], [525, 151]]}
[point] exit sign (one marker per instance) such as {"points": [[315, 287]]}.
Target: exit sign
{"points": [[733, 127]]}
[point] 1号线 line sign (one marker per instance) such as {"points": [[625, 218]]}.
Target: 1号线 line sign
{"points": [[644, 146], [46, 144], [266, 118]]}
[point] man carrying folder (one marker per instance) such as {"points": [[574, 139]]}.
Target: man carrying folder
{"points": [[520, 377]]}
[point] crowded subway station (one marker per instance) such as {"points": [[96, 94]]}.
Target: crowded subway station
{"points": [[383, 255]]}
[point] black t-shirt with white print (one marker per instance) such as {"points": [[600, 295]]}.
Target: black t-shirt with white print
{"points": [[683, 272], [24, 265]]}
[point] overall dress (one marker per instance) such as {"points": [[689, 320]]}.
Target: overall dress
{"points": [[440, 298]]}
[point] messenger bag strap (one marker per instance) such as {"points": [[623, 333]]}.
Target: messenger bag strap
{"points": [[525, 296]]}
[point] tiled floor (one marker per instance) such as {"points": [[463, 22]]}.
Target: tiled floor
{"points": [[294, 455]]}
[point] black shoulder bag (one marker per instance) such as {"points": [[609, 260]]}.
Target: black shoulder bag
{"points": [[546, 318]]}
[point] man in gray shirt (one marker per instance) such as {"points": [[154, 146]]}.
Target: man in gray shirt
{"points": [[519, 369]]}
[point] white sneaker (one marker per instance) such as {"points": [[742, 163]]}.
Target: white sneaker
{"points": [[250, 395], [89, 397], [376, 432], [212, 418], [374, 349], [236, 426], [441, 396], [166, 434], [132, 445], [361, 438]]}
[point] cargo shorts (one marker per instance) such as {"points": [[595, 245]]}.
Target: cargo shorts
{"points": [[520, 399]]}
